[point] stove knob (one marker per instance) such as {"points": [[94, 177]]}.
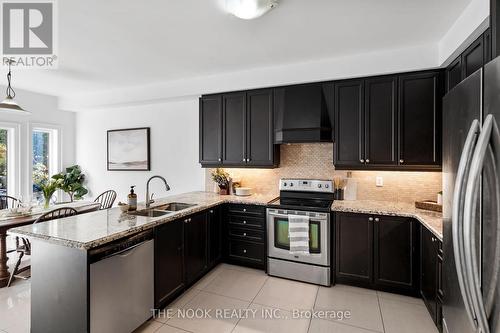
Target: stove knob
{"points": [[291, 184], [284, 184], [326, 186], [319, 185]]}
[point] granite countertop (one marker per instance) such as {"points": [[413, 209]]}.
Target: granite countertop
{"points": [[87, 231], [432, 220]]}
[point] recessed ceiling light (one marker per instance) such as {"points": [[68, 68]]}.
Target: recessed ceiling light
{"points": [[249, 9]]}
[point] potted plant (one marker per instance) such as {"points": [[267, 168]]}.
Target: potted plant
{"points": [[71, 182], [221, 178]]}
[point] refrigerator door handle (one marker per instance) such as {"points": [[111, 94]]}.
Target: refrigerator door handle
{"points": [[457, 216], [489, 135]]}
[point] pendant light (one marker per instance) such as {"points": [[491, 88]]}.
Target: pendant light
{"points": [[9, 104], [249, 9]]}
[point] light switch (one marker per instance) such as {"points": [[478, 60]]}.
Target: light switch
{"points": [[379, 181]]}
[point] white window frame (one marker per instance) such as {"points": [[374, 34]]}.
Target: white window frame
{"points": [[55, 151], [13, 158]]}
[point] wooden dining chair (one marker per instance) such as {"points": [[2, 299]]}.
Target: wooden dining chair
{"points": [[106, 199], [24, 246], [7, 201]]}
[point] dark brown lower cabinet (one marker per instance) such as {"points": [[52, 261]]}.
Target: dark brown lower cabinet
{"points": [[395, 257], [214, 236], [377, 252], [354, 249], [431, 274], [169, 262], [245, 235], [195, 246]]}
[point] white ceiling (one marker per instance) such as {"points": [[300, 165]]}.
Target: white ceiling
{"points": [[116, 44]]}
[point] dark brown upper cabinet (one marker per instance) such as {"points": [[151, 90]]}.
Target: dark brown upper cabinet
{"points": [[454, 73], [470, 60], [233, 128], [419, 116], [236, 130], [349, 130], [473, 57], [380, 120], [260, 149], [210, 129]]}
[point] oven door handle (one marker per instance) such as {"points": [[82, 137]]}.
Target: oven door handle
{"points": [[286, 215]]}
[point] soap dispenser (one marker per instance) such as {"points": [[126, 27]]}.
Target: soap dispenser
{"points": [[132, 199]]}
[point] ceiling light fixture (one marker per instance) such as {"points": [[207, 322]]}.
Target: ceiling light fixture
{"points": [[9, 104], [249, 9]]}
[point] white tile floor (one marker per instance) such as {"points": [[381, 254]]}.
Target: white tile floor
{"points": [[232, 287]]}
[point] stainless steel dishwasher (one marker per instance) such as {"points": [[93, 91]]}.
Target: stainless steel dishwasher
{"points": [[122, 284]]}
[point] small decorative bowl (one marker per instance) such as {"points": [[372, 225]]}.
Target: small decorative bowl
{"points": [[123, 206]]}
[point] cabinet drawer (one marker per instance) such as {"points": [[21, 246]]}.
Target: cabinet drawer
{"points": [[245, 221], [246, 234], [247, 251], [247, 210]]}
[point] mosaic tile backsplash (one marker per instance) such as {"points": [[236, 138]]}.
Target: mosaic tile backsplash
{"points": [[316, 161]]}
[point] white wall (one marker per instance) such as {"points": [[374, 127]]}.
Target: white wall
{"points": [[473, 21], [174, 147], [44, 111]]}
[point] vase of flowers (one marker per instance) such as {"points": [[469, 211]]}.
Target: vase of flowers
{"points": [[49, 187], [221, 178]]}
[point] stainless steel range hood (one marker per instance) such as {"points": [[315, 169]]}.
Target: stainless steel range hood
{"points": [[301, 114]]}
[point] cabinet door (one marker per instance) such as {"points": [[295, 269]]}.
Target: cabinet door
{"points": [[349, 124], [233, 143], [454, 73], [487, 46], [354, 249], [259, 127], [473, 57], [169, 273], [420, 120], [394, 258], [380, 121], [428, 271], [195, 246], [210, 129], [214, 236]]}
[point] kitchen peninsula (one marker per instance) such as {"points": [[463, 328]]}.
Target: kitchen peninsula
{"points": [[74, 248]]}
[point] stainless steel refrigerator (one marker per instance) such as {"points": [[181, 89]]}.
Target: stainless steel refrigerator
{"points": [[471, 207]]}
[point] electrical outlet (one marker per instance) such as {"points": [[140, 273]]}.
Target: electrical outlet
{"points": [[379, 181]]}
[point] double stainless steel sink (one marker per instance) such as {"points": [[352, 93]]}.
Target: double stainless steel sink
{"points": [[162, 210]]}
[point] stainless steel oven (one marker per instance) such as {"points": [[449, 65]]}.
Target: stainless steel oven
{"points": [[313, 267]]}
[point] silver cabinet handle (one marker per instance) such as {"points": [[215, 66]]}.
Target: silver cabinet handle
{"points": [[370, 219], [248, 160], [244, 251], [220, 159], [489, 135], [244, 160], [457, 215], [401, 161], [362, 160], [186, 221], [211, 211], [244, 234], [367, 161], [377, 219], [244, 209], [244, 222]]}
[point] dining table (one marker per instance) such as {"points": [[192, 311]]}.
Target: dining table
{"points": [[7, 222]]}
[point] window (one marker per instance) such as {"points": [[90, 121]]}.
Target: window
{"points": [[4, 143], [45, 157], [9, 183]]}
